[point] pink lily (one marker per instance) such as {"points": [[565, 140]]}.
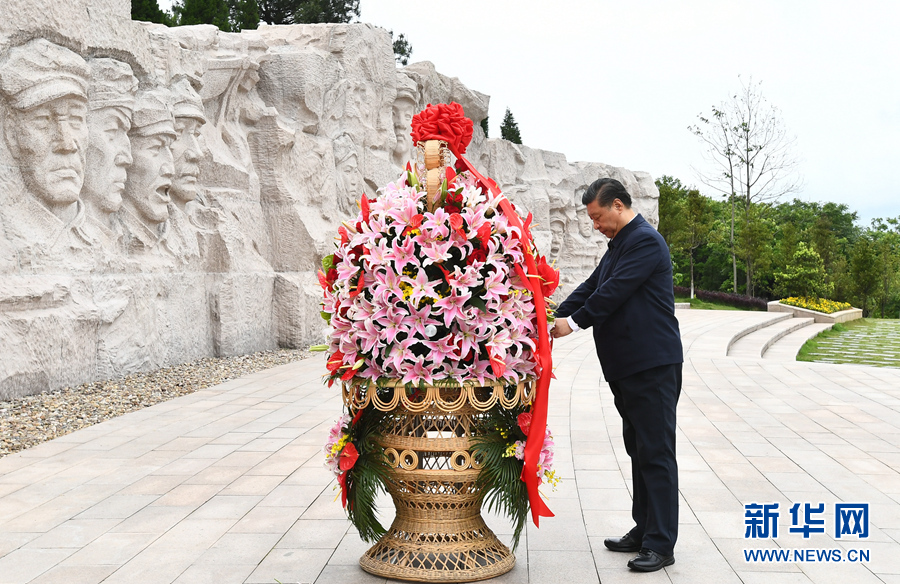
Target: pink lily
{"points": [[453, 306], [422, 287]]}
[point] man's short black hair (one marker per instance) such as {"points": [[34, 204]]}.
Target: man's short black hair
{"points": [[605, 191]]}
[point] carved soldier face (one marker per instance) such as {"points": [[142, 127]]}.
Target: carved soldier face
{"points": [[49, 143], [557, 232], [108, 158], [585, 224], [404, 109], [150, 175], [186, 153], [350, 178]]}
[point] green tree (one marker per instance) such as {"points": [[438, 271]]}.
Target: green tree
{"points": [[149, 11], [753, 244], [804, 275], [215, 12], [277, 11], [484, 126], [509, 129], [864, 272], [331, 11], [753, 160], [402, 48], [887, 243], [307, 11], [243, 15], [671, 197], [695, 223]]}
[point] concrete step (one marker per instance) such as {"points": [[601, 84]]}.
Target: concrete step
{"points": [[755, 344], [787, 347]]}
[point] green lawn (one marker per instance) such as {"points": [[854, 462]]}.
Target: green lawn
{"points": [[867, 341]]}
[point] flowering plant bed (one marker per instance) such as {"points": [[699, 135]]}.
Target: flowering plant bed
{"points": [[817, 304]]}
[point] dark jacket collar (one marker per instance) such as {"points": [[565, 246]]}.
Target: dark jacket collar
{"points": [[623, 233]]}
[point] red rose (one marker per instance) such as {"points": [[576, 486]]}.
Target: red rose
{"points": [[478, 255]]}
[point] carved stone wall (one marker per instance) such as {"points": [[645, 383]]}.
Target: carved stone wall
{"points": [[168, 194]]}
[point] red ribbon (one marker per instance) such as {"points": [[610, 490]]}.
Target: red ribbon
{"points": [[535, 441]]}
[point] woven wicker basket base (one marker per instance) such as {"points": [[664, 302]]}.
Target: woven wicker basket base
{"points": [[467, 556]]}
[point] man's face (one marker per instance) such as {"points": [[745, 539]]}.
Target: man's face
{"points": [[108, 158], [150, 176], [49, 142], [606, 219], [186, 153]]}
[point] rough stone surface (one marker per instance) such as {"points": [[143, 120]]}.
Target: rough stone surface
{"points": [[167, 195]]}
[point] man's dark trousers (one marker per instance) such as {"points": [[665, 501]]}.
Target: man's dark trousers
{"points": [[646, 401]]}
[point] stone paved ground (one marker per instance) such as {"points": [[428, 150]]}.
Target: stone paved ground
{"points": [[226, 485]]}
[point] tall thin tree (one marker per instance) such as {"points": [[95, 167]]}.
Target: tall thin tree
{"points": [[752, 153]]}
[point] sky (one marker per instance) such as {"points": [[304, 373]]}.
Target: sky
{"points": [[619, 82]]}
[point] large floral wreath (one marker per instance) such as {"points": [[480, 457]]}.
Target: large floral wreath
{"points": [[433, 284], [422, 296]]}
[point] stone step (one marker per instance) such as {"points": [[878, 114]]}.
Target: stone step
{"points": [[712, 332], [787, 347], [755, 344]]}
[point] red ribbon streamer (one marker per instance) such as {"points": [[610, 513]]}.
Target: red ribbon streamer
{"points": [[535, 441]]}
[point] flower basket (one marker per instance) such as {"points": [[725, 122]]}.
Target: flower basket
{"points": [[436, 298], [438, 534]]}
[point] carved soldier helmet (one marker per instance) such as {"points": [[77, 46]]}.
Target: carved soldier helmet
{"points": [[112, 84], [186, 102], [39, 72], [152, 114]]}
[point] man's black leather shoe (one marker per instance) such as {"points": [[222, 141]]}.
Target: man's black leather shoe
{"points": [[650, 561], [626, 543]]}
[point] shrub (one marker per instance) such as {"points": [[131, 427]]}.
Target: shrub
{"points": [[736, 300]]}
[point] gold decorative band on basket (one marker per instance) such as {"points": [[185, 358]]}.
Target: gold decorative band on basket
{"points": [[447, 397]]}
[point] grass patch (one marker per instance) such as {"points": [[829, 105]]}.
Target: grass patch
{"points": [[866, 341], [697, 304]]}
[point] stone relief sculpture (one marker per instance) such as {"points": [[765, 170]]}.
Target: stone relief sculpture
{"points": [[168, 194], [349, 178], [110, 108], [185, 208], [145, 207], [404, 108], [45, 131]]}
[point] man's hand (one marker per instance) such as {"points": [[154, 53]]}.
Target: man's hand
{"points": [[561, 328]]}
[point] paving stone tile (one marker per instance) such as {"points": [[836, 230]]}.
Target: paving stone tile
{"points": [[111, 549], [75, 533], [290, 565], [23, 565]]}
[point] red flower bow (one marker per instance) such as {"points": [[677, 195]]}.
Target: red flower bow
{"points": [[443, 121]]}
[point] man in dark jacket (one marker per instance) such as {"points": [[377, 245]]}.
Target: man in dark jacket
{"points": [[629, 302]]}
